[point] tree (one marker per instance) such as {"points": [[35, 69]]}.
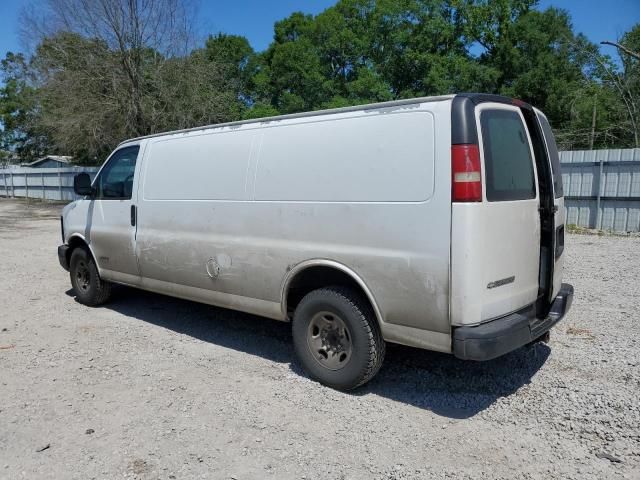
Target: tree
{"points": [[360, 51], [108, 70], [604, 110], [536, 54], [288, 74], [192, 91], [82, 95], [19, 112], [627, 81], [420, 48], [237, 61], [129, 29]]}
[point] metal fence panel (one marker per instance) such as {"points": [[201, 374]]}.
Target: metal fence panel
{"points": [[602, 188], [42, 183]]}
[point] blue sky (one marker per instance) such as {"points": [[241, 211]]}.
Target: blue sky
{"points": [[598, 19]]}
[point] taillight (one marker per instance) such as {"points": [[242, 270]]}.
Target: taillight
{"points": [[466, 178]]}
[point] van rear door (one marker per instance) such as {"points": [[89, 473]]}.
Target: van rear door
{"points": [[558, 194], [496, 241]]}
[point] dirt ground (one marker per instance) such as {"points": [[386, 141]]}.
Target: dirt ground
{"points": [[152, 387]]}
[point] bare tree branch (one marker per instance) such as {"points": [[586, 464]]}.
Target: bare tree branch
{"points": [[107, 70], [623, 48]]}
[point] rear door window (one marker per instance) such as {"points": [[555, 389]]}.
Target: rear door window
{"points": [[507, 157], [552, 148]]}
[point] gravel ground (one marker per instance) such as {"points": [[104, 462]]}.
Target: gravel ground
{"points": [[151, 387]]}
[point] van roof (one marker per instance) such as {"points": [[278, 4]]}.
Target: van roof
{"points": [[369, 106]]}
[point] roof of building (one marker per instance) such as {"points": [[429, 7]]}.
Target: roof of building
{"points": [[57, 158]]}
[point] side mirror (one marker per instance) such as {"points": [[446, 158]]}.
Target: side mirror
{"points": [[82, 184]]}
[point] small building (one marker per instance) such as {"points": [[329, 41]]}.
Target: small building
{"points": [[50, 161]]}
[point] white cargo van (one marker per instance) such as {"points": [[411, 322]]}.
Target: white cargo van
{"points": [[432, 222]]}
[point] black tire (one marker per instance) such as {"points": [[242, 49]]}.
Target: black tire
{"points": [[90, 289], [366, 347]]}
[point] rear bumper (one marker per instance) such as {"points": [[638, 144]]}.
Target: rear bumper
{"points": [[497, 337], [62, 256]]}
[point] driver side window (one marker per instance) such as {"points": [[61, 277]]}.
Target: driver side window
{"points": [[116, 178]]}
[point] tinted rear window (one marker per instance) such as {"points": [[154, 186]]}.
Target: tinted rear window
{"points": [[507, 156], [553, 156]]}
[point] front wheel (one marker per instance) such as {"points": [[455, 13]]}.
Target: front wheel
{"points": [[336, 337], [90, 289]]}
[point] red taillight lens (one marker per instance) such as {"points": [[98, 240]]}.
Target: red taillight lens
{"points": [[466, 177]]}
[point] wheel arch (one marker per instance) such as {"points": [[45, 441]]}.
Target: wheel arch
{"points": [[77, 240], [307, 268]]}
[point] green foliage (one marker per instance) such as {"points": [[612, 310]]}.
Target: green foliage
{"points": [[20, 116], [81, 94], [540, 61], [87, 103], [236, 61], [628, 82], [260, 110], [361, 51]]}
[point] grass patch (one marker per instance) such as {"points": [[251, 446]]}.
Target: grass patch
{"points": [[580, 332]]}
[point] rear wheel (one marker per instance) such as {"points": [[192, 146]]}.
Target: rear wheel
{"points": [[90, 289], [337, 338]]}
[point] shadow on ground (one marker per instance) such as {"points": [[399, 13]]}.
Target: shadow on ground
{"points": [[434, 381]]}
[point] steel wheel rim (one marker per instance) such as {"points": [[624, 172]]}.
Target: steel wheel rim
{"points": [[329, 340], [83, 276]]}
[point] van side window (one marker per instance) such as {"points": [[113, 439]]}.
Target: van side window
{"points": [[115, 181], [507, 157]]}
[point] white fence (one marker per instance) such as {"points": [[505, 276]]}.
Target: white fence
{"points": [[601, 187], [43, 183]]}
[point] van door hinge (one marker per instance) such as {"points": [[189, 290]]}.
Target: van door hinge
{"points": [[133, 215]]}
